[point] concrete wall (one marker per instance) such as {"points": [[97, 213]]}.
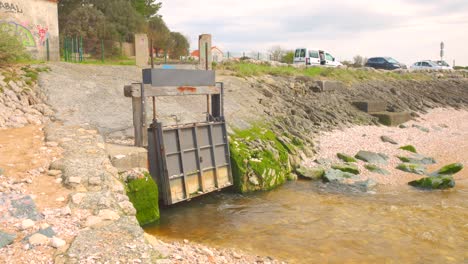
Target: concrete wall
{"points": [[34, 22]]}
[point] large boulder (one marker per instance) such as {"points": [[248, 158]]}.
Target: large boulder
{"points": [[412, 168], [333, 175], [346, 158], [434, 183], [376, 169], [387, 139], [315, 173], [450, 169], [417, 159], [6, 239], [372, 157], [409, 148], [143, 193], [346, 167]]}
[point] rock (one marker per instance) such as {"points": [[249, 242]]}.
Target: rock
{"points": [[1, 171], [26, 224], [48, 232], [54, 173], [433, 183], [417, 159], [372, 157], [388, 140], [333, 175], [6, 239], [402, 126], [254, 180], [450, 169], [93, 220], [77, 198], [423, 129], [412, 168], [345, 158], [365, 185], [57, 242], [94, 181], [127, 207], [108, 214], [74, 180], [409, 148], [324, 162], [51, 144], [346, 167], [314, 173], [65, 211], [374, 168], [38, 239], [60, 199]]}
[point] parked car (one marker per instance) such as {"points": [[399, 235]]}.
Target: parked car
{"points": [[315, 57], [444, 65], [426, 65], [386, 63]]}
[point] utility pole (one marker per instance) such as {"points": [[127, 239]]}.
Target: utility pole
{"points": [[442, 46]]}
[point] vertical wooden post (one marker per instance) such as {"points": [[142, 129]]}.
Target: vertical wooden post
{"points": [[136, 106]]}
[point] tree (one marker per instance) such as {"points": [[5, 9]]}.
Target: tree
{"points": [[147, 8], [288, 57], [159, 33], [276, 53], [359, 61], [180, 45]]}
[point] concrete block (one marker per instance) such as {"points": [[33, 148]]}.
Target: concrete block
{"points": [[329, 86], [371, 106], [141, 50], [127, 157], [392, 118]]}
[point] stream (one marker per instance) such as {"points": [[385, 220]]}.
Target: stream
{"points": [[308, 222]]}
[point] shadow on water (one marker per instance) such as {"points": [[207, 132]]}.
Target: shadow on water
{"points": [[309, 222]]}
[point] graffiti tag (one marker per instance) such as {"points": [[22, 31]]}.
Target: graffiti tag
{"points": [[42, 34], [23, 34], [10, 8]]}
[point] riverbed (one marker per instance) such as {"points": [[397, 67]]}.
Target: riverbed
{"points": [[309, 222]]}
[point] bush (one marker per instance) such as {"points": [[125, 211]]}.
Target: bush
{"points": [[11, 49]]}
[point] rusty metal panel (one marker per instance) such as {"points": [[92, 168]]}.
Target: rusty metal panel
{"points": [[193, 160]]}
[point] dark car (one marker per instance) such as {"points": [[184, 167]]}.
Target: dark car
{"points": [[386, 63]]}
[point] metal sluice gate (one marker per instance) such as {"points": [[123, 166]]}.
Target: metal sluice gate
{"points": [[186, 160]]}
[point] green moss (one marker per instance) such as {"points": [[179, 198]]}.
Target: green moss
{"points": [[346, 158], [404, 159], [412, 168], [409, 148], [450, 169], [143, 193], [432, 183], [376, 169], [346, 167], [258, 154]]}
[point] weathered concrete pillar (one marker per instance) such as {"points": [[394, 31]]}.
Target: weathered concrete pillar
{"points": [[204, 46], [141, 50]]}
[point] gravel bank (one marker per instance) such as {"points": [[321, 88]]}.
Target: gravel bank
{"points": [[446, 141]]}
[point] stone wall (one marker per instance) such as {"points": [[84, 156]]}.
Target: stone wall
{"points": [[34, 22]]}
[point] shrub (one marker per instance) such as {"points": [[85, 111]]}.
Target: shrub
{"points": [[11, 49]]}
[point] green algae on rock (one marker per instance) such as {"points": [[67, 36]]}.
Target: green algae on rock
{"points": [[259, 159], [315, 173], [412, 168], [372, 157], [409, 148], [434, 183], [143, 193], [334, 175], [450, 169], [376, 169], [417, 159], [346, 167], [346, 158]]}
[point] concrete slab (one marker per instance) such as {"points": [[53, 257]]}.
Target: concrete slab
{"points": [[373, 106], [329, 86], [127, 157], [392, 118]]}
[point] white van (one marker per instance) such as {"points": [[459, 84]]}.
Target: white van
{"points": [[315, 57]]}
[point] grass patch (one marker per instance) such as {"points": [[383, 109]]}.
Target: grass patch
{"points": [[348, 76], [143, 193]]}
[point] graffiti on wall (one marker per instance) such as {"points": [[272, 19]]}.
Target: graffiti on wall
{"points": [[10, 8], [42, 34], [22, 32]]}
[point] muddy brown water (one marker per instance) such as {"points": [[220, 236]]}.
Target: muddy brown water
{"points": [[306, 222]]}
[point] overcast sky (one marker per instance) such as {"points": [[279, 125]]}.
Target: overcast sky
{"points": [[407, 30]]}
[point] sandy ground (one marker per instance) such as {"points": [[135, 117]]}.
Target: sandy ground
{"points": [[447, 142]]}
